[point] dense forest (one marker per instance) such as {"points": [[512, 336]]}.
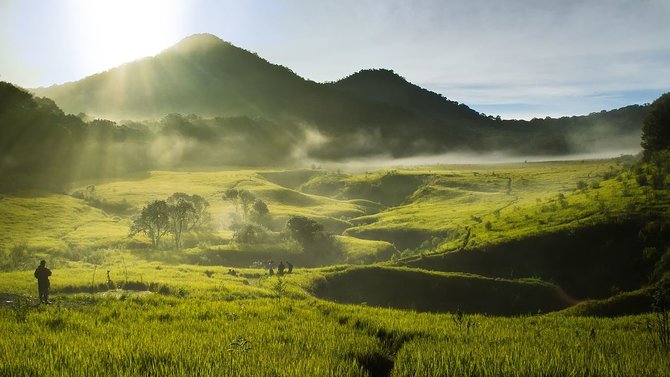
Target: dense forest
{"points": [[44, 147]]}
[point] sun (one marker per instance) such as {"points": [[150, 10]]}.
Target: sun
{"points": [[118, 31]]}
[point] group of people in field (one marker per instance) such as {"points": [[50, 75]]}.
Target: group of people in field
{"points": [[288, 267]]}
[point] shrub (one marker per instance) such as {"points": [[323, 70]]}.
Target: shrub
{"points": [[21, 307], [659, 325], [252, 234], [641, 179], [16, 258]]}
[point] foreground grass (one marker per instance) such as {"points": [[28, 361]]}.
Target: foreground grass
{"points": [[207, 322], [157, 335]]}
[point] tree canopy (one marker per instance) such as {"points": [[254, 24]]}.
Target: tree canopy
{"points": [[178, 214], [153, 221], [656, 130]]}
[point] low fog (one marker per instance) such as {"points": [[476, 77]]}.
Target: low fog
{"points": [[178, 141], [42, 147]]}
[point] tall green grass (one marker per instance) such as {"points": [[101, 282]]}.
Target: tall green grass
{"points": [[156, 335]]}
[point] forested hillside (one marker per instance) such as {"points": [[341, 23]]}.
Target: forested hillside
{"points": [[371, 113]]}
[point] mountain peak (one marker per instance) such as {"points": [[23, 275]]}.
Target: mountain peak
{"points": [[375, 74], [198, 42]]}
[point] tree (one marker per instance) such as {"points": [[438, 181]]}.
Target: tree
{"points": [[303, 229], [656, 129], [181, 217], [251, 233], [200, 216], [153, 221], [259, 211], [233, 196], [320, 247], [246, 198], [237, 197]]}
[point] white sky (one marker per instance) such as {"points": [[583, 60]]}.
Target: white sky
{"points": [[514, 58]]}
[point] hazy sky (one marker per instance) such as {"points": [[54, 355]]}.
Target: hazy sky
{"points": [[515, 58]]}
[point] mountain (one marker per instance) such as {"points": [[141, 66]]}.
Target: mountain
{"points": [[201, 74], [386, 86], [370, 113]]}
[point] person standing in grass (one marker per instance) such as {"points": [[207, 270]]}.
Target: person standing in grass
{"points": [[290, 267], [42, 274]]}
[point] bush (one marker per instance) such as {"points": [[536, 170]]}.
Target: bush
{"points": [[313, 239], [16, 258], [641, 179], [252, 234], [21, 307], [659, 325]]}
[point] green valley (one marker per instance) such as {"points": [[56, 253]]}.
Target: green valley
{"points": [[486, 251]]}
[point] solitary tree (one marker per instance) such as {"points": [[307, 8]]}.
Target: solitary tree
{"points": [[153, 222], [656, 129]]}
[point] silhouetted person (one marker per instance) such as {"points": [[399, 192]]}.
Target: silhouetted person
{"points": [[42, 274], [110, 283], [280, 268], [290, 267]]}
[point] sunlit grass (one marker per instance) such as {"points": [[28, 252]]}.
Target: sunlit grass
{"points": [[151, 335], [188, 319]]}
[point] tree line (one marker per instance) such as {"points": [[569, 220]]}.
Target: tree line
{"points": [[42, 147]]}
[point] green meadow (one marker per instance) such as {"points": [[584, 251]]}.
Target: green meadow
{"points": [[464, 270]]}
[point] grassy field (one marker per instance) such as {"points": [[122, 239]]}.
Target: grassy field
{"points": [[408, 207], [447, 244], [153, 334]]}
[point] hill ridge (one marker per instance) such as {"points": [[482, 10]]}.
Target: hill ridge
{"points": [[373, 112]]}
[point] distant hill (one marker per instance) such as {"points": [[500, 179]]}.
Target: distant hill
{"points": [[386, 86], [42, 147], [370, 113]]}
